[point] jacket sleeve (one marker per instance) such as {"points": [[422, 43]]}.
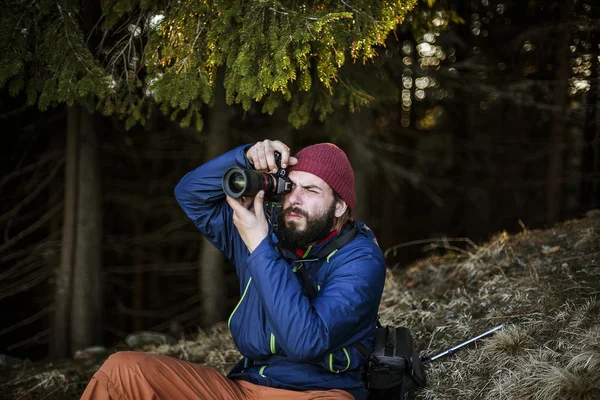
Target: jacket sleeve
{"points": [[342, 313], [200, 195]]}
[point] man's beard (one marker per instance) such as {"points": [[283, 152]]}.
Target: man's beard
{"points": [[316, 228]]}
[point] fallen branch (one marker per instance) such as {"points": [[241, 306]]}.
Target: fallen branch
{"points": [[429, 241]]}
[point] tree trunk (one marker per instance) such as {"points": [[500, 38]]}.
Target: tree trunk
{"points": [[590, 153], [595, 121], [394, 193], [211, 277], [138, 274], [86, 304], [555, 175], [64, 278], [362, 160]]}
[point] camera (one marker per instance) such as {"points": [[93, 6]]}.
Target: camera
{"points": [[241, 182]]}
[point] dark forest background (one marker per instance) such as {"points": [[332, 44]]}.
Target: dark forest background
{"points": [[482, 116]]}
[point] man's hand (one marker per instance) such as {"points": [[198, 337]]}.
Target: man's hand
{"points": [[250, 222], [262, 155]]}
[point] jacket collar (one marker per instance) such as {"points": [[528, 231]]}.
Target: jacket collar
{"points": [[299, 253]]}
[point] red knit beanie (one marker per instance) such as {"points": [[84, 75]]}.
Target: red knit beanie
{"points": [[330, 163]]}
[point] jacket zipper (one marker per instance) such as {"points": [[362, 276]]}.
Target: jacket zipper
{"points": [[239, 303]]}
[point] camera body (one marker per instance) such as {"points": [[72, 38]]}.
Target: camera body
{"points": [[242, 182]]}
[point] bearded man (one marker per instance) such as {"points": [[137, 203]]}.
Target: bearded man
{"points": [[304, 324]]}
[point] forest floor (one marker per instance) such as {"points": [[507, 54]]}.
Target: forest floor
{"points": [[543, 285]]}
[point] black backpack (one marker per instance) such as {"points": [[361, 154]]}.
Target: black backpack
{"points": [[394, 370]]}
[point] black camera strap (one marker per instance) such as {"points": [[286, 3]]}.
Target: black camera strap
{"points": [[332, 246]]}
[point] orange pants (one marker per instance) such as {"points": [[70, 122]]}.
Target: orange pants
{"points": [[130, 375]]}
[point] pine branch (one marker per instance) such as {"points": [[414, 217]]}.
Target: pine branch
{"points": [[166, 268], [67, 37], [42, 313], [140, 201], [32, 228], [192, 315], [38, 189], [41, 274], [48, 244], [173, 310], [46, 158], [14, 112], [35, 339]]}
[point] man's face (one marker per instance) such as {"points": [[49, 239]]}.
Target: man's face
{"points": [[308, 211]]}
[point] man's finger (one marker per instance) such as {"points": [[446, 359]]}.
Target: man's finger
{"points": [[258, 204], [253, 155], [235, 204], [247, 202], [249, 156], [271, 159], [284, 150], [285, 155], [260, 163]]}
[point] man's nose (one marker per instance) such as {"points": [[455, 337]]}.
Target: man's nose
{"points": [[294, 197]]}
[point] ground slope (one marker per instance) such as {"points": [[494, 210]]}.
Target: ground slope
{"points": [[543, 285]]}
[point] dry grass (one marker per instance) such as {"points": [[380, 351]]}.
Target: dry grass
{"points": [[43, 384], [214, 348], [544, 285]]}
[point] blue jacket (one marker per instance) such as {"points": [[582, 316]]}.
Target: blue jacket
{"points": [[294, 342]]}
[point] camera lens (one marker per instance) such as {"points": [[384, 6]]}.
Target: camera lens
{"points": [[237, 182], [240, 182]]}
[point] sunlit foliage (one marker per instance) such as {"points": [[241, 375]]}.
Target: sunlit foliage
{"points": [[126, 55]]}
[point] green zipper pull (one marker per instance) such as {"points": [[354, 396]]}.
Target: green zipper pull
{"points": [[273, 350]]}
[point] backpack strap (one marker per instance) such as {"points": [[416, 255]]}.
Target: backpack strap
{"points": [[338, 242], [310, 289], [331, 247], [362, 349]]}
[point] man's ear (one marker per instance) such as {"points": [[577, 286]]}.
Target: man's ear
{"points": [[340, 208]]}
